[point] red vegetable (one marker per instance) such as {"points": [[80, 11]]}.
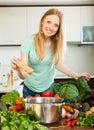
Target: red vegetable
{"points": [[19, 101], [13, 108], [19, 108], [56, 95], [70, 121], [73, 122], [37, 95], [29, 96], [47, 93], [67, 123]]}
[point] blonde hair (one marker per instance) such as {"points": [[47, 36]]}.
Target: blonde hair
{"points": [[57, 39]]}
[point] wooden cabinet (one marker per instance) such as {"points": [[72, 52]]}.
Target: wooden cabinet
{"points": [[13, 26]]}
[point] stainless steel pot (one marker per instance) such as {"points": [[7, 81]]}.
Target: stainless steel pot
{"points": [[47, 108]]}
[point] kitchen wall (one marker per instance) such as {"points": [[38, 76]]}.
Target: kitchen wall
{"points": [[77, 58], [17, 23]]}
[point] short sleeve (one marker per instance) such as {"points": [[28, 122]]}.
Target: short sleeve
{"points": [[26, 45]]}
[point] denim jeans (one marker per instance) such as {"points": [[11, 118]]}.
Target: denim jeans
{"points": [[28, 92]]}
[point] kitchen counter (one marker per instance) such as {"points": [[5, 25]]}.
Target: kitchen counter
{"points": [[71, 128], [17, 87], [59, 126]]}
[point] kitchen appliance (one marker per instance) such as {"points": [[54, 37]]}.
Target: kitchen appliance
{"points": [[49, 109]]}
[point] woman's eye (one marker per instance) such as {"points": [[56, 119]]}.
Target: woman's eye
{"points": [[56, 25], [48, 22]]}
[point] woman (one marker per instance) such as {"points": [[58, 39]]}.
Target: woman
{"points": [[43, 52]]}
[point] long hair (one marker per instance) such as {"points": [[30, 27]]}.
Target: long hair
{"points": [[56, 39]]}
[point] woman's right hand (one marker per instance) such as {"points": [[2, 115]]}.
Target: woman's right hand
{"points": [[14, 64], [19, 66]]}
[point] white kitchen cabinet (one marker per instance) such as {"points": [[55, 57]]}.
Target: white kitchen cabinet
{"points": [[18, 22], [87, 15], [87, 21], [72, 23], [13, 26], [34, 15], [74, 18]]}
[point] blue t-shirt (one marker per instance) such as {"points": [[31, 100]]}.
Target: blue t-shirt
{"points": [[43, 74]]}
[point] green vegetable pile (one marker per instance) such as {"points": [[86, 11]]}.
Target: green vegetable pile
{"points": [[18, 121], [10, 97], [73, 91], [86, 121]]}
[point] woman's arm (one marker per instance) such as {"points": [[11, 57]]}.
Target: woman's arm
{"points": [[60, 67]]}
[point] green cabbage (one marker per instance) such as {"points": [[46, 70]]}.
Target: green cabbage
{"points": [[69, 92]]}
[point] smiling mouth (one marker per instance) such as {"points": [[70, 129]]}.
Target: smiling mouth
{"points": [[49, 32]]}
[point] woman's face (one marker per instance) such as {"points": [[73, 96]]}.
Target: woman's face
{"points": [[50, 25]]}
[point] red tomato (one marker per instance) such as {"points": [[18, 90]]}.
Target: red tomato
{"points": [[29, 96], [37, 95], [13, 108], [19, 108], [47, 94]]}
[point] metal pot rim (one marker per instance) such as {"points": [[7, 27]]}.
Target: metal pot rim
{"points": [[43, 100]]}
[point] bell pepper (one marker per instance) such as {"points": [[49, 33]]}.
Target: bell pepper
{"points": [[19, 101], [70, 122], [56, 95]]}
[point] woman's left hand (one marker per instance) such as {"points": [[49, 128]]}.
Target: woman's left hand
{"points": [[86, 76]]}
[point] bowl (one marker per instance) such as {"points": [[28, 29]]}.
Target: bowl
{"points": [[49, 109]]}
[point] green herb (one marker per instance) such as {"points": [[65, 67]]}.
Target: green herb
{"points": [[10, 97], [86, 121], [18, 121]]}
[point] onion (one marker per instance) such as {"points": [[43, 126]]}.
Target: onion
{"points": [[87, 113], [63, 113], [92, 109]]}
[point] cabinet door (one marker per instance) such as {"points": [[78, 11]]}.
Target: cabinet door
{"points": [[12, 25], [72, 23], [87, 15], [34, 15]]}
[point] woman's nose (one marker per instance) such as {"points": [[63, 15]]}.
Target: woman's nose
{"points": [[51, 27]]}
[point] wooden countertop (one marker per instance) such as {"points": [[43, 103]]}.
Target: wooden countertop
{"points": [[59, 126]]}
